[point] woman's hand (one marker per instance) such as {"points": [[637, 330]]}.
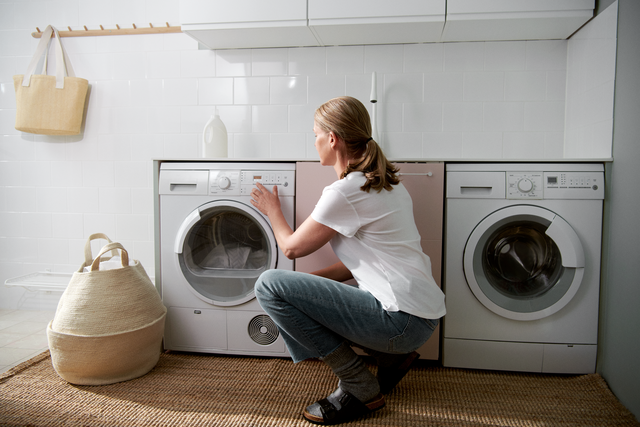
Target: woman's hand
{"points": [[310, 235], [268, 203]]}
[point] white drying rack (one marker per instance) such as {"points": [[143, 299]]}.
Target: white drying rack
{"points": [[46, 281], [41, 281]]}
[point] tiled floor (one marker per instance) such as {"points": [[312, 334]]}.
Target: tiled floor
{"points": [[22, 335]]}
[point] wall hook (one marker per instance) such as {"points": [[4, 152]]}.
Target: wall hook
{"points": [[114, 31]]}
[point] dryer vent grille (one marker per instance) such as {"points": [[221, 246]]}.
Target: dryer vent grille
{"points": [[263, 330]]}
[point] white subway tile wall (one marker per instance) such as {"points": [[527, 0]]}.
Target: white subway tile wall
{"points": [[590, 87], [150, 96]]}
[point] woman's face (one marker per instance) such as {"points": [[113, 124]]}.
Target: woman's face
{"points": [[323, 145]]}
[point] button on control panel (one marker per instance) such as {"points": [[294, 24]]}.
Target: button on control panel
{"points": [[571, 180], [264, 178], [284, 180], [574, 185], [241, 182]]}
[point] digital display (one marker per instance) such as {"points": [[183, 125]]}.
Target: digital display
{"points": [[552, 180], [256, 177]]}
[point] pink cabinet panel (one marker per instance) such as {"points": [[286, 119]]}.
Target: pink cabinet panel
{"points": [[311, 178], [425, 183]]}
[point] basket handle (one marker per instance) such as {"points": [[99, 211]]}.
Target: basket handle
{"points": [[113, 246], [88, 257]]}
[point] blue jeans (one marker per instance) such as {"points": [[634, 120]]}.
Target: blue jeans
{"points": [[316, 315]]}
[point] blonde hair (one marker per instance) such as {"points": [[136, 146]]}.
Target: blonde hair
{"points": [[348, 119]]}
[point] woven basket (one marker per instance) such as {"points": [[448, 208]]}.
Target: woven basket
{"points": [[109, 324]]}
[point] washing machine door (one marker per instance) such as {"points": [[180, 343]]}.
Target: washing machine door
{"points": [[222, 248], [524, 262]]}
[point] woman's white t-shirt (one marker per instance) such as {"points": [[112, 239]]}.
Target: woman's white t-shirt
{"points": [[378, 241]]}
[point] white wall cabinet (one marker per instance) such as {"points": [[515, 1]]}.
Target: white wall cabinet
{"points": [[340, 22], [483, 20], [242, 11], [239, 24], [223, 24]]}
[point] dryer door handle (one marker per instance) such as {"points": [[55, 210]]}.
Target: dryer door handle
{"points": [[186, 225], [568, 242]]}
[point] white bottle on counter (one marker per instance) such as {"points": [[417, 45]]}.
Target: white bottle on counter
{"points": [[214, 138]]}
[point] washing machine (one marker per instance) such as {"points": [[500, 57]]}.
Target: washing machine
{"points": [[522, 266], [213, 245]]}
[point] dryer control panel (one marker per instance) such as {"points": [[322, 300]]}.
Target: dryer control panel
{"points": [[285, 180], [241, 182]]}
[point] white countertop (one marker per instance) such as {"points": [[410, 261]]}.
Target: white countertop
{"points": [[421, 160]]}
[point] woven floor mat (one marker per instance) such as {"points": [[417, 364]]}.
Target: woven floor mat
{"points": [[206, 390]]}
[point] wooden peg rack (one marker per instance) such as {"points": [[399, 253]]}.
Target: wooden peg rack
{"points": [[114, 31]]}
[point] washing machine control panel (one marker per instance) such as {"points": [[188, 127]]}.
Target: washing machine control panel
{"points": [[524, 185], [241, 182], [555, 185]]}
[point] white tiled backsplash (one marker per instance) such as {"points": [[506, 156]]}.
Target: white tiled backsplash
{"points": [[150, 96], [591, 60]]}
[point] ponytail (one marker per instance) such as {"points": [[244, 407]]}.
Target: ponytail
{"points": [[349, 119], [380, 173]]}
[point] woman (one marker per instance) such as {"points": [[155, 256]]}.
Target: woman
{"points": [[367, 216]]}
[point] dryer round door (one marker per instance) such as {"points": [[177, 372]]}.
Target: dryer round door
{"points": [[524, 262], [222, 248]]}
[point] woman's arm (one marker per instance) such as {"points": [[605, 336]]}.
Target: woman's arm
{"points": [[309, 237], [338, 272]]}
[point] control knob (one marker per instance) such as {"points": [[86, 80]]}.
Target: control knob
{"points": [[224, 182], [525, 185]]}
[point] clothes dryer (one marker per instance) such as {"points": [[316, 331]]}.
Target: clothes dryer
{"points": [[213, 246], [522, 266]]}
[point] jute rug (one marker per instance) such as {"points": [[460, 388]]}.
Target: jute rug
{"points": [[205, 390]]}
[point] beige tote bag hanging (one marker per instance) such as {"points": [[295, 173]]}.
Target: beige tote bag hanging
{"points": [[50, 105], [109, 324]]}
